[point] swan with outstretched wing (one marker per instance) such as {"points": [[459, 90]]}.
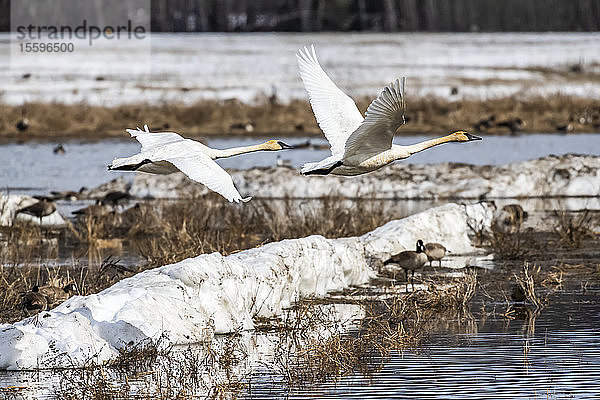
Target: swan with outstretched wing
{"points": [[167, 152], [358, 145]]}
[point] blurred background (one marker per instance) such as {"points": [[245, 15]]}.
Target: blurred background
{"points": [[363, 15]]}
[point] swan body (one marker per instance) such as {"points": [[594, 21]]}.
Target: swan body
{"points": [[358, 145], [167, 152]]}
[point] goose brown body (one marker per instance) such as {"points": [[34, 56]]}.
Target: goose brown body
{"points": [[435, 252], [55, 295], [40, 209], [34, 302], [410, 260]]}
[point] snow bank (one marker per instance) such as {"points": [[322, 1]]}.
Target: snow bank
{"points": [[11, 203], [194, 299], [569, 175]]}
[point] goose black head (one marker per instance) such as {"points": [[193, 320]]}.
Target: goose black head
{"points": [[420, 246]]}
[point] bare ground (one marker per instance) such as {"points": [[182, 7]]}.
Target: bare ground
{"points": [[427, 115]]}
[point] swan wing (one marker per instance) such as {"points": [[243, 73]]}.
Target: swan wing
{"points": [[336, 113], [201, 168], [384, 115], [150, 140]]}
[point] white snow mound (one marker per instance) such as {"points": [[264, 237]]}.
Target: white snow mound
{"points": [[568, 175], [194, 299]]}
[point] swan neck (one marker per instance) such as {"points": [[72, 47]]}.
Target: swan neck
{"points": [[234, 151], [415, 148]]}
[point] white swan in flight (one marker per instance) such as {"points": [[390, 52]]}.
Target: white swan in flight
{"points": [[358, 145], [167, 152]]}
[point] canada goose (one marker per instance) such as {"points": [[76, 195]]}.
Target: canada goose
{"points": [[94, 210], [568, 128], [485, 123], [59, 149], [435, 252], [42, 208], [410, 260], [514, 124], [358, 145], [34, 302], [167, 152], [23, 123], [245, 126], [69, 194], [115, 197], [510, 218], [56, 295]]}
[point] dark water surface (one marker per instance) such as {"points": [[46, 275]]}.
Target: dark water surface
{"points": [[555, 355]]}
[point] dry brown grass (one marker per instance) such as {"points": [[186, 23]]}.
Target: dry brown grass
{"points": [[200, 226], [574, 228], [165, 232], [312, 349], [427, 115], [527, 283]]}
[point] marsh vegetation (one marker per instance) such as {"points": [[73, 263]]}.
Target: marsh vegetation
{"points": [[311, 344]]}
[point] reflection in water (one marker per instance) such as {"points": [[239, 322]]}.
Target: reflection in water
{"points": [[554, 353], [486, 356]]}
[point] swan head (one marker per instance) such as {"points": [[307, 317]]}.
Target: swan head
{"points": [[275, 145], [462, 136]]}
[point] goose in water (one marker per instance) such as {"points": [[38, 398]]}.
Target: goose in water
{"points": [[358, 145], [167, 152], [410, 260]]}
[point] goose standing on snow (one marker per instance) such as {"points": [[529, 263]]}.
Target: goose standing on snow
{"points": [[410, 260], [167, 152], [358, 145]]}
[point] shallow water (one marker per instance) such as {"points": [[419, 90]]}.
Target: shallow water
{"points": [[33, 168], [551, 355], [486, 361]]}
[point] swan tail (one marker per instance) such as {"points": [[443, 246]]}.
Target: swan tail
{"points": [[127, 164], [319, 168]]}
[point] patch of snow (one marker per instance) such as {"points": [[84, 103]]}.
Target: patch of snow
{"points": [[568, 175], [194, 299]]}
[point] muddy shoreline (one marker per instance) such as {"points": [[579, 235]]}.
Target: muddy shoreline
{"points": [[269, 117]]}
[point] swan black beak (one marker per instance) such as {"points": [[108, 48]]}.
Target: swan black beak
{"points": [[284, 146], [472, 137]]}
